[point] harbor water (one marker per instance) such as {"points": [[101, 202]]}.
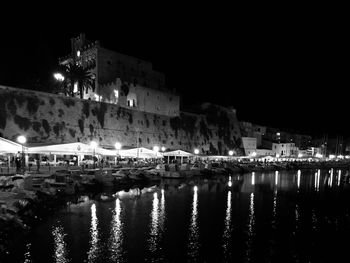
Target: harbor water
{"points": [[279, 216]]}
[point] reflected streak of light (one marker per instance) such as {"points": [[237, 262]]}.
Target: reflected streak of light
{"points": [[92, 254], [276, 177], [298, 180], [318, 180], [60, 255], [274, 209], [253, 178], [339, 176], [229, 181], [331, 182], [154, 223], [227, 231], [117, 234], [193, 245], [162, 212], [27, 255], [250, 227]]}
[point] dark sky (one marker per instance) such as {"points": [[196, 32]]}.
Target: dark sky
{"points": [[288, 70]]}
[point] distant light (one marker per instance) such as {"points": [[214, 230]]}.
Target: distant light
{"points": [[21, 139], [253, 154], [163, 149], [340, 156], [196, 151], [93, 144], [58, 76], [331, 156], [277, 155], [78, 53], [118, 145], [278, 134], [318, 155], [300, 155], [75, 89], [230, 153], [156, 148]]}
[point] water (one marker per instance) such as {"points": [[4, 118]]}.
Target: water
{"points": [[300, 216]]}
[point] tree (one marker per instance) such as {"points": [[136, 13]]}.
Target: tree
{"points": [[75, 74]]}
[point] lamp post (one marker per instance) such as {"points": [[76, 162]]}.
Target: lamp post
{"points": [[196, 152], [156, 149], [230, 153], [22, 140], [94, 146], [117, 146]]}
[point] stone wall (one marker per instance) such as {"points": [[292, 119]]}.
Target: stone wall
{"points": [[49, 118]]}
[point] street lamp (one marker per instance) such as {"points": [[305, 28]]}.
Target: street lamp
{"points": [[94, 146], [156, 149], [163, 149], [22, 140], [58, 76]]}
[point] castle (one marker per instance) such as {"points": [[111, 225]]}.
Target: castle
{"points": [[130, 104]]}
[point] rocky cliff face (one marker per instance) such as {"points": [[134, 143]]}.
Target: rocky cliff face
{"points": [[49, 118]]}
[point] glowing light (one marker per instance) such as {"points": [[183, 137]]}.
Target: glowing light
{"points": [[230, 153], [93, 144], [78, 53], [21, 139], [277, 155], [331, 156], [253, 154], [116, 93], [253, 178], [75, 88], [300, 155], [318, 155], [118, 145], [298, 180], [163, 149], [58, 76], [196, 151], [339, 176], [156, 148], [340, 156]]}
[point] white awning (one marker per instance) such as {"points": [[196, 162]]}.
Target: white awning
{"points": [[178, 153], [140, 153], [75, 148], [7, 146]]}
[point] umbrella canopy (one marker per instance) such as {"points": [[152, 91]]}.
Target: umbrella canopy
{"points": [[7, 146], [140, 153], [75, 148], [178, 153]]}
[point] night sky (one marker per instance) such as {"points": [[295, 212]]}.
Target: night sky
{"points": [[287, 71]]}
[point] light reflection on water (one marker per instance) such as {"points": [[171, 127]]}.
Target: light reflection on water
{"points": [[227, 231], [193, 243], [60, 253], [94, 239], [251, 223], [277, 208], [116, 238]]}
